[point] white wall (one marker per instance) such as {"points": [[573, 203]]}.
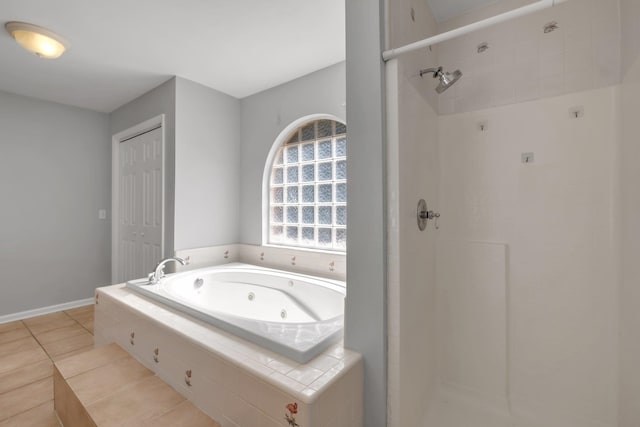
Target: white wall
{"points": [[264, 116], [538, 323], [207, 166], [630, 291], [412, 174], [160, 100], [523, 63], [55, 176]]}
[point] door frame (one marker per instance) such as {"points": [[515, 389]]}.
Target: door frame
{"points": [[116, 139]]}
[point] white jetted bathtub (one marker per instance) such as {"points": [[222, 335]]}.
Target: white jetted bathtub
{"points": [[292, 314]]}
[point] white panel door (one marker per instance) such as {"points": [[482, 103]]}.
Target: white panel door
{"points": [[140, 201]]}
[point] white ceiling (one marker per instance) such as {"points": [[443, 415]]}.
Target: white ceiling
{"points": [[443, 10], [122, 48]]}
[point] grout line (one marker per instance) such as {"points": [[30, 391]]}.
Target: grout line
{"points": [[41, 344]]}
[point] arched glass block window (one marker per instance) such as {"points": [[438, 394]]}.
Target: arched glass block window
{"points": [[308, 188]]}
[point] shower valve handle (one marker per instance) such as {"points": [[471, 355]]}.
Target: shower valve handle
{"points": [[424, 214], [429, 215]]}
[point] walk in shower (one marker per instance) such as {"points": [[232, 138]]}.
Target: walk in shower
{"points": [[516, 310]]}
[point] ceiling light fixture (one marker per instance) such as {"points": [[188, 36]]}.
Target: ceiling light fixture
{"points": [[38, 40]]}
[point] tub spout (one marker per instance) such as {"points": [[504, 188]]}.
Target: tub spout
{"points": [[159, 271]]}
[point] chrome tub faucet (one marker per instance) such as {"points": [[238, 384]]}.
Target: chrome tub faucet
{"points": [[159, 271]]}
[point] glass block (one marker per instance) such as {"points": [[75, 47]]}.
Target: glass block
{"points": [[308, 215], [324, 193], [278, 159], [324, 236], [292, 194], [308, 234], [277, 195], [308, 194], [341, 193], [276, 233], [292, 154], [309, 132], [325, 128], [292, 174], [341, 147], [276, 214], [324, 215], [340, 128], [277, 176], [341, 215], [324, 149], [292, 214], [294, 138], [307, 153], [308, 173], [341, 238], [292, 234], [325, 172], [341, 169]]}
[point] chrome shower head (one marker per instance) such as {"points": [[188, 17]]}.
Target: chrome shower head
{"points": [[446, 79]]}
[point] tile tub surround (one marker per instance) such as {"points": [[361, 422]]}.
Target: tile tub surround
{"points": [[231, 380], [327, 264]]}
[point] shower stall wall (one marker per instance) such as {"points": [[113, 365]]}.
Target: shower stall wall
{"points": [[509, 313], [412, 174], [527, 271]]}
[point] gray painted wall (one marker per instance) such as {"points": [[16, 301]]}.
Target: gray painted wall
{"points": [[264, 116], [161, 100], [207, 166], [54, 176], [202, 160], [365, 322]]}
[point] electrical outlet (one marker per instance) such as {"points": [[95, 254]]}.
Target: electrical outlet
{"points": [[102, 214]]}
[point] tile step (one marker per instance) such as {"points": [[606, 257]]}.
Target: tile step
{"points": [[107, 387]]}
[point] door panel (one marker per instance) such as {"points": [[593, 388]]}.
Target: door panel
{"points": [[140, 198]]}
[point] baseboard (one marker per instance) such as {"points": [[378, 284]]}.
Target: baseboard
{"points": [[44, 310]]}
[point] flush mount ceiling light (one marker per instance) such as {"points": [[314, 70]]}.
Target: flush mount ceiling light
{"points": [[38, 40]]}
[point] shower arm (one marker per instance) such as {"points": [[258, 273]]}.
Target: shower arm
{"points": [[435, 71], [507, 16]]}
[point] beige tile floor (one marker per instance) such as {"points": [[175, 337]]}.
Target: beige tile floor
{"points": [[28, 349]]}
